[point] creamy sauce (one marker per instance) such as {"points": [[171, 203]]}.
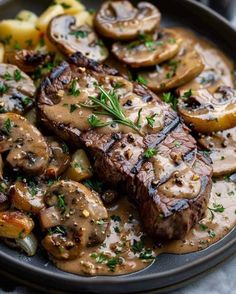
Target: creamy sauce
{"points": [[125, 227], [70, 112], [218, 67]]}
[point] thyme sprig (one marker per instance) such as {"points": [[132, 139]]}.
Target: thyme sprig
{"points": [[110, 105]]}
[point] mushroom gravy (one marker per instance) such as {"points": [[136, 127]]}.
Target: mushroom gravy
{"points": [[127, 249]]}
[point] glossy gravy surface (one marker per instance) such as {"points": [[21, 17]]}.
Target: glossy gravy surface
{"points": [[126, 249]]}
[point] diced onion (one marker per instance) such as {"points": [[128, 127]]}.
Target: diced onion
{"points": [[29, 244]]}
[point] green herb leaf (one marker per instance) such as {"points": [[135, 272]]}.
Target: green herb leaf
{"points": [[146, 255], [95, 122], [151, 120], [141, 80], [116, 218], [171, 99], [187, 94], [57, 230], [137, 246], [7, 125], [79, 34], [73, 107], [73, 90], [61, 203], [150, 152]]}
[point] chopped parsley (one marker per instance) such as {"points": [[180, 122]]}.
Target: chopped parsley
{"points": [[146, 255], [79, 34], [73, 90], [141, 80], [203, 227], [150, 152], [65, 148], [73, 107], [168, 97], [172, 40], [151, 120], [116, 218], [3, 88], [7, 125], [187, 94], [16, 76], [137, 246], [61, 203], [216, 208], [95, 122], [93, 184]]}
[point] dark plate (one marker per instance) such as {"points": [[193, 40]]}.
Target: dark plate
{"points": [[168, 270]]}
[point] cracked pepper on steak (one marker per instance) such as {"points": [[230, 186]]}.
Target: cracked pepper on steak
{"points": [[172, 187]]}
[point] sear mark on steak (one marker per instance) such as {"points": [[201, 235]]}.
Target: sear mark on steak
{"points": [[172, 187]]}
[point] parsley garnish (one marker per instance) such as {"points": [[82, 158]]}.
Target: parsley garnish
{"points": [[7, 125], [73, 90], [141, 80], [171, 99], [151, 120], [95, 122], [216, 208], [116, 218], [150, 152], [187, 94], [137, 246], [61, 203], [73, 107], [79, 34]]}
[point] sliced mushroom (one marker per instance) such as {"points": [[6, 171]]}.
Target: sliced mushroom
{"points": [[28, 195], [149, 49], [218, 67], [174, 73], [222, 151], [28, 150], [120, 20], [59, 159], [207, 112], [15, 224], [17, 90], [27, 60], [80, 217], [69, 38]]}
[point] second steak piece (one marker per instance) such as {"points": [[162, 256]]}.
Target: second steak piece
{"points": [[153, 159]]}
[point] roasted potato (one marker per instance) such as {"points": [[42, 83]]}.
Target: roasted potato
{"points": [[80, 167], [15, 224], [26, 15]]}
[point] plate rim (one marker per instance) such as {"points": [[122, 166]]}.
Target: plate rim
{"points": [[111, 280]]}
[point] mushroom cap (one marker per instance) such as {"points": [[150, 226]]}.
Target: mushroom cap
{"points": [[149, 49], [28, 196], [207, 112], [27, 60], [81, 215], [59, 158], [68, 38], [175, 72], [17, 90], [120, 20], [28, 150], [221, 146]]}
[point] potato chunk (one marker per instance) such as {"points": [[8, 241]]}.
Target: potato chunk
{"points": [[80, 168], [17, 33], [14, 224], [47, 16], [71, 6], [26, 15]]}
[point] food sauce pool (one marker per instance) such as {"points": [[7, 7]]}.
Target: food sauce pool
{"points": [[127, 249]]}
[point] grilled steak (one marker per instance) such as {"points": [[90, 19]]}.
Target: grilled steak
{"points": [[159, 166]]}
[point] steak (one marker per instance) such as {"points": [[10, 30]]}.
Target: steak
{"points": [[159, 168]]}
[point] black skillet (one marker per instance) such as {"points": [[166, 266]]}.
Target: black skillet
{"points": [[168, 271]]}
